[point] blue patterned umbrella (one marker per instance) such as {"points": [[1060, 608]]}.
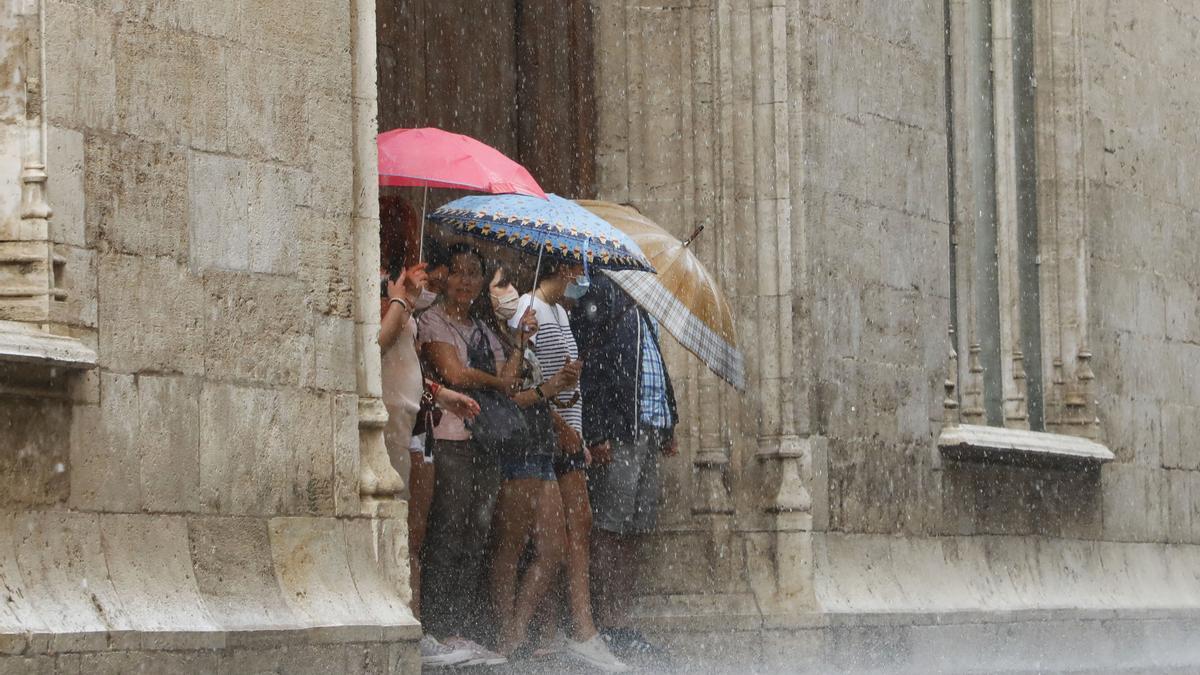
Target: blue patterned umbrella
{"points": [[553, 227]]}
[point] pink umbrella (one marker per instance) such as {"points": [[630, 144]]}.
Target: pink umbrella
{"points": [[434, 158], [431, 157]]}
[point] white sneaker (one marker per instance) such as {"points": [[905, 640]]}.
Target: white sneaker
{"points": [[596, 654], [437, 655], [480, 655]]}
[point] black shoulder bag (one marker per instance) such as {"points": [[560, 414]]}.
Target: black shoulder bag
{"points": [[500, 426]]}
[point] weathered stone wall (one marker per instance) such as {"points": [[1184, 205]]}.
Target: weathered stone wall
{"points": [[876, 201], [201, 182], [202, 482], [811, 137], [1141, 149]]}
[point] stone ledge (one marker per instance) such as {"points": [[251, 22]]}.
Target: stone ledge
{"points": [[97, 582], [976, 443], [20, 343]]}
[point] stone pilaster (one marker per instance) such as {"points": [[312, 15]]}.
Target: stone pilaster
{"points": [[378, 479]]}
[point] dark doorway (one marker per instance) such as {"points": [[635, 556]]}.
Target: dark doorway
{"points": [[517, 74]]}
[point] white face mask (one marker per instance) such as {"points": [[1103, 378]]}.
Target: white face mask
{"points": [[505, 303], [426, 299]]}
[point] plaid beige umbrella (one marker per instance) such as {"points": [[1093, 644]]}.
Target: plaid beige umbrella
{"points": [[683, 296]]}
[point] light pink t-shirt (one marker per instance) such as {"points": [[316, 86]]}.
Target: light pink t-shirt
{"points": [[435, 326]]}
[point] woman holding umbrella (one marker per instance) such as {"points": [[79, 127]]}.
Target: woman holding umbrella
{"points": [[556, 351]]}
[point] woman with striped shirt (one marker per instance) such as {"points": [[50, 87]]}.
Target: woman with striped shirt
{"points": [[554, 346]]}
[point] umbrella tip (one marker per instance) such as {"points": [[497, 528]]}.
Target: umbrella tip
{"points": [[695, 233]]}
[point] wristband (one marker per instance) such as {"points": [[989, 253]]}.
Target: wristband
{"points": [[540, 394], [402, 302]]}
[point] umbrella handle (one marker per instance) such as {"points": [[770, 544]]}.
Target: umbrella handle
{"points": [[421, 239], [537, 272]]}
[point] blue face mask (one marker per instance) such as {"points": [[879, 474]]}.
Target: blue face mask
{"points": [[577, 288]]}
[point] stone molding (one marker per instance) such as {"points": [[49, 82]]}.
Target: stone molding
{"points": [[700, 122], [984, 576], [972, 442], [954, 604], [22, 343], [99, 582]]}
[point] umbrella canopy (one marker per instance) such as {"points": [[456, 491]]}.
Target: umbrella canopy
{"points": [[434, 158], [683, 296], [553, 227]]}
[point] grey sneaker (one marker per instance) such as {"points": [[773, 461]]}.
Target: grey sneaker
{"points": [[594, 653], [480, 655], [437, 655]]}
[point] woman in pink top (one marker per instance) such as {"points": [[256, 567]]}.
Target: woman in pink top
{"points": [[467, 480], [403, 389]]}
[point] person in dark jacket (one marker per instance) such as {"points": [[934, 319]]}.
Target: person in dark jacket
{"points": [[629, 419]]}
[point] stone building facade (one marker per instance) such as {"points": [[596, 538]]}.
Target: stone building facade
{"points": [[958, 234]]}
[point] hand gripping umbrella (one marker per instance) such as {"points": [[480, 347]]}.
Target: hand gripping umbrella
{"points": [[683, 296], [434, 158], [553, 227]]}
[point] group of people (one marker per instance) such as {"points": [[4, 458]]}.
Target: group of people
{"points": [[534, 426]]}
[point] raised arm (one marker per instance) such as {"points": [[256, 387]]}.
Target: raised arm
{"points": [[402, 295]]}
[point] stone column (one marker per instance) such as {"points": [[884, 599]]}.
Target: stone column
{"points": [[781, 557], [1004, 118], [378, 479], [780, 446], [1062, 217], [712, 456]]}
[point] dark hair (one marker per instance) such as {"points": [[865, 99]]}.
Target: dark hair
{"points": [[398, 222], [551, 267], [435, 254], [506, 277], [481, 307]]}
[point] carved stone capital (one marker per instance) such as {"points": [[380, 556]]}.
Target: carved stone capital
{"points": [[378, 479], [792, 457]]}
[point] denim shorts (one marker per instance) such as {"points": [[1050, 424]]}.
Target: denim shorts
{"points": [[518, 467]]}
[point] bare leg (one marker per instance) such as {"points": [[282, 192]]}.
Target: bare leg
{"points": [[511, 526], [420, 485], [548, 542], [615, 562], [578, 512]]}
